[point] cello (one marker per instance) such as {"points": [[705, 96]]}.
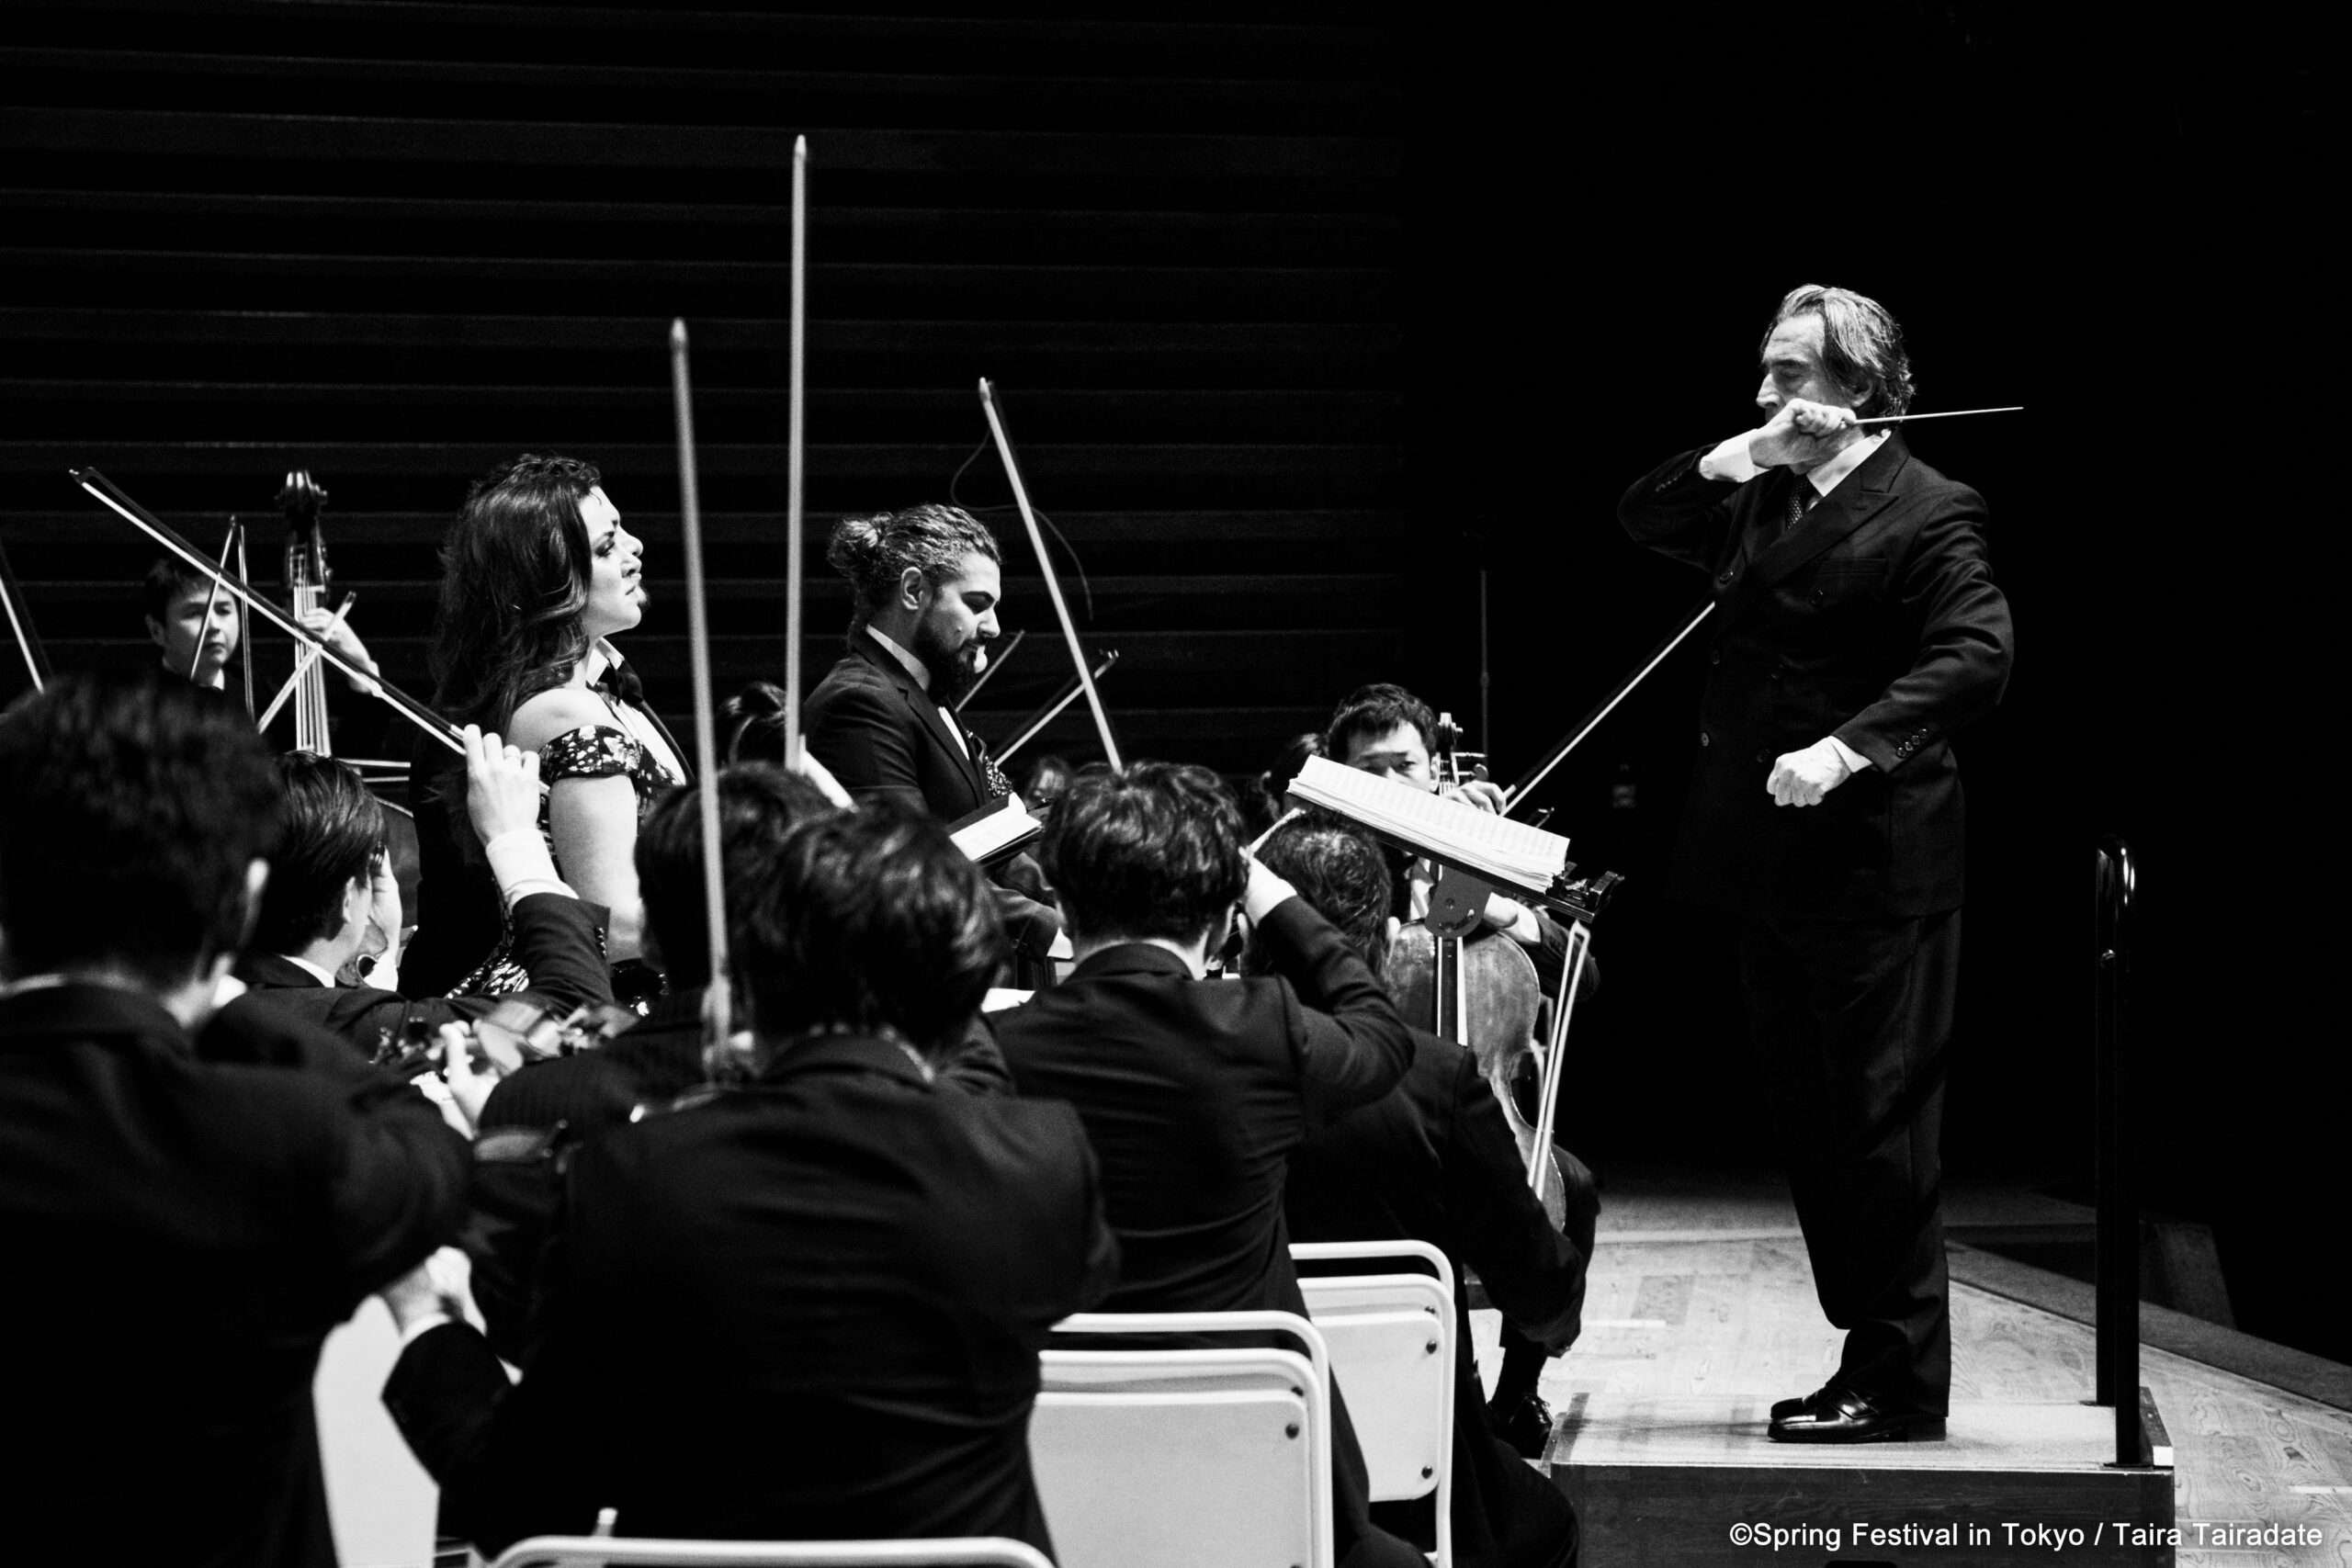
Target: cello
{"points": [[1477, 989]]}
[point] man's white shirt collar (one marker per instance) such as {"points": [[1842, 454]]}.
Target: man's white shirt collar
{"points": [[908, 662], [1827, 477]]}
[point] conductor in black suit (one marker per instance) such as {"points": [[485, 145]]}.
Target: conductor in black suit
{"points": [[1195, 1091], [926, 583], [809, 1307], [184, 1224], [1857, 628]]}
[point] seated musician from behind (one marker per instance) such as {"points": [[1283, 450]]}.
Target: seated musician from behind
{"points": [[1385, 729], [924, 585], [811, 1306], [332, 899], [539, 576], [1195, 1091], [1437, 1162], [183, 1233]]}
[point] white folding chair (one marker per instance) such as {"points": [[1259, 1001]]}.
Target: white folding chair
{"points": [[1392, 1342], [620, 1551], [1170, 1459], [381, 1503]]}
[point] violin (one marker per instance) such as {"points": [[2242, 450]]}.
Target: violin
{"points": [[302, 498], [1473, 985]]}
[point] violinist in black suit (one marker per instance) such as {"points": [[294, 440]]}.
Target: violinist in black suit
{"points": [[189, 1203], [1435, 1161], [926, 583], [1857, 628], [1195, 1091], [332, 899], [811, 1306]]}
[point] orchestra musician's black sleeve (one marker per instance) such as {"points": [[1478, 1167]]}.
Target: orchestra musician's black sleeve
{"points": [[1345, 1035], [1533, 1273]]}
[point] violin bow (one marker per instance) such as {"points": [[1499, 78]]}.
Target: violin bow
{"points": [[994, 665], [244, 621], [107, 493], [212, 597], [302, 665], [20, 624], [718, 998], [1517, 795], [793, 448], [1053, 582], [1052, 710]]}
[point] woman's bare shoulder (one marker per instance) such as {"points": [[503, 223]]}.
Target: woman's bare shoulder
{"points": [[558, 711]]}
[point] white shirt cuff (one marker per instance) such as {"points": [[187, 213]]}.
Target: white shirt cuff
{"points": [[1854, 759], [520, 861], [1730, 461], [422, 1326]]}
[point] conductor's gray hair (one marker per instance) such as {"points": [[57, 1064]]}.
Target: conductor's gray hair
{"points": [[1862, 346], [874, 552]]}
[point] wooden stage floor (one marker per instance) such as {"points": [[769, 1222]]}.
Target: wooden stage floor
{"points": [[1700, 1288]]}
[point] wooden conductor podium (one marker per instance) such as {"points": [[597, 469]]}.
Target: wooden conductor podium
{"points": [[1662, 1482], [1683, 1482]]}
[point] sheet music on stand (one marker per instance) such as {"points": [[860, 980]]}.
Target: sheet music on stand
{"points": [[1450, 831]]}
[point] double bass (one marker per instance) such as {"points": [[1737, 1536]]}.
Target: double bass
{"points": [[1476, 986], [302, 498]]}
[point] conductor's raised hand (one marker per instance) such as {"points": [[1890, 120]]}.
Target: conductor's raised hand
{"points": [[1799, 432], [501, 785]]}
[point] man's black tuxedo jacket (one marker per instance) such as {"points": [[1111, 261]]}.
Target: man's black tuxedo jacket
{"points": [[879, 733], [1874, 619], [559, 941], [183, 1231], [807, 1308], [1434, 1161], [1194, 1092], [537, 1118]]}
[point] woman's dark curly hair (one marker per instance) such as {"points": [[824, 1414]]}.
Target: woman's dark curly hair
{"points": [[1153, 849], [514, 573]]}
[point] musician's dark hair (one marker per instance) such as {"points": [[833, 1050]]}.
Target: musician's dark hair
{"points": [[1151, 849], [1862, 346], [1375, 710], [515, 574], [875, 551], [870, 920], [758, 805], [753, 721], [333, 829], [1343, 874], [166, 579], [1273, 784], [131, 807], [1052, 766]]}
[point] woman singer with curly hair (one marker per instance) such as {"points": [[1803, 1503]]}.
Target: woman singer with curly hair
{"points": [[538, 577]]}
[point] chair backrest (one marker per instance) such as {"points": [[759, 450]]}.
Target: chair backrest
{"points": [[1169, 1458], [620, 1551], [1391, 1337], [1392, 1342], [380, 1502]]}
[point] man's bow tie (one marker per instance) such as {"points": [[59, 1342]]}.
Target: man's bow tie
{"points": [[620, 681]]}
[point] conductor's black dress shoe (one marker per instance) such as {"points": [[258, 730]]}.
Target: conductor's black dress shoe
{"points": [[1842, 1416], [1785, 1408]]}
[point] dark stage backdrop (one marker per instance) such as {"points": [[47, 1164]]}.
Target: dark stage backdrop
{"points": [[2113, 229], [1304, 311], [399, 242]]}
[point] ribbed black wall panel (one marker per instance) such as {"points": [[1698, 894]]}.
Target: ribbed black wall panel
{"points": [[397, 242]]}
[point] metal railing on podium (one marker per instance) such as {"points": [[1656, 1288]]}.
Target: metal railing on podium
{"points": [[2115, 1066]]}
